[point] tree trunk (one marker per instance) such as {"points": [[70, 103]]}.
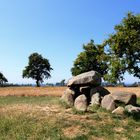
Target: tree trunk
{"points": [[37, 83]]}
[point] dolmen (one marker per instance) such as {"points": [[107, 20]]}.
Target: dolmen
{"points": [[85, 90]]}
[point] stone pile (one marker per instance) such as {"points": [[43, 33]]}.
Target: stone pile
{"points": [[85, 89]]}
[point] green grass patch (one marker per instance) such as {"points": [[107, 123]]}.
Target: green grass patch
{"points": [[10, 100], [24, 127]]}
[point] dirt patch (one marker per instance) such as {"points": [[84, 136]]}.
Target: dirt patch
{"points": [[31, 110], [119, 129], [73, 131], [97, 138], [138, 129]]}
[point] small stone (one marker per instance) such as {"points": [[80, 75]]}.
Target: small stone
{"points": [[132, 109], [119, 110]]}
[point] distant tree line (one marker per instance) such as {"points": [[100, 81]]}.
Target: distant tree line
{"points": [[122, 84], [15, 85], [3, 79]]}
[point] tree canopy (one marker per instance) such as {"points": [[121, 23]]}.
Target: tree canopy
{"points": [[119, 54], [2, 79], [124, 49], [38, 68], [90, 59]]}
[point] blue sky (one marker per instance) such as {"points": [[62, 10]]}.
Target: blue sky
{"points": [[57, 29]]}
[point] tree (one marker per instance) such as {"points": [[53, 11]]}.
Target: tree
{"points": [[92, 58], [124, 49], [62, 83], [2, 79], [38, 68]]}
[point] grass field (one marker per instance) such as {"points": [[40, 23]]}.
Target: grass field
{"points": [[33, 117]]}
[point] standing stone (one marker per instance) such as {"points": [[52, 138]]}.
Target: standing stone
{"points": [[119, 110], [108, 103], [67, 97], [81, 103], [95, 99], [124, 97], [85, 79]]}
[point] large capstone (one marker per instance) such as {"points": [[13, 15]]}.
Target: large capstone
{"points": [[91, 78]]}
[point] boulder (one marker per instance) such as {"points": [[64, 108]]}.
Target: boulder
{"points": [[119, 110], [68, 97], [124, 97], [108, 103], [86, 91], [70, 91], [80, 103], [101, 90], [95, 99], [132, 109], [85, 79]]}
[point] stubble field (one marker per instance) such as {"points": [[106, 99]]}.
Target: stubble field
{"points": [[54, 91]]}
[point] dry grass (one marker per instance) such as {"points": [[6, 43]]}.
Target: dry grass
{"points": [[73, 131], [54, 91]]}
